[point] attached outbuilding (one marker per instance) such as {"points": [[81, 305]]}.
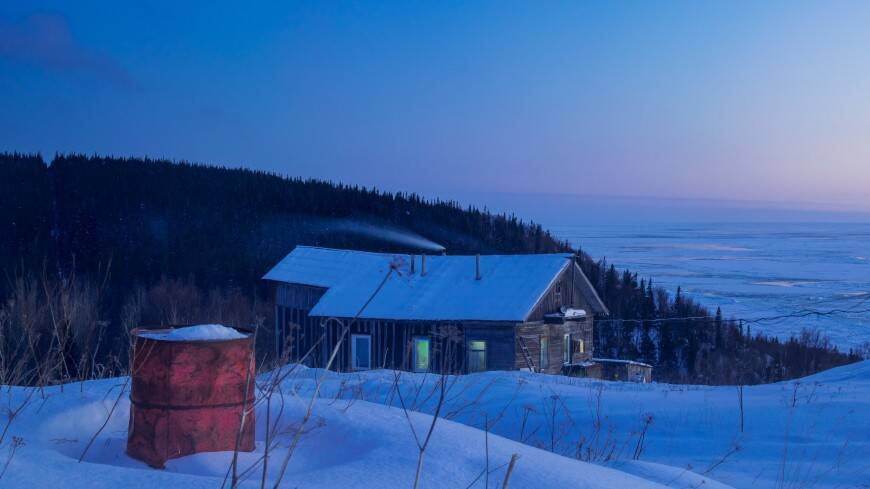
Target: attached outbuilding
{"points": [[440, 313]]}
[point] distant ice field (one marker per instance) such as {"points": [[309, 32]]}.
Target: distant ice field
{"points": [[751, 270]]}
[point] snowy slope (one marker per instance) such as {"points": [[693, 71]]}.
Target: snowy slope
{"points": [[350, 444], [357, 440], [813, 433]]}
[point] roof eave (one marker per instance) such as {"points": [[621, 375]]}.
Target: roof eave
{"points": [[546, 289], [591, 291]]}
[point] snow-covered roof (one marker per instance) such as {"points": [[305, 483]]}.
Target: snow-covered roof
{"points": [[621, 362], [509, 288]]}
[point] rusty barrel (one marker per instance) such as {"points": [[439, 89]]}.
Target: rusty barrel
{"points": [[188, 396]]}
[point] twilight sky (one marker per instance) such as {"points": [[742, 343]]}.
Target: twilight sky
{"points": [[760, 101]]}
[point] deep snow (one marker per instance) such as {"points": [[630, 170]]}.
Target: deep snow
{"points": [[199, 332], [809, 434]]}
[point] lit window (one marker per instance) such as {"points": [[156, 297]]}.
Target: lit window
{"points": [[361, 346], [476, 356], [422, 347]]}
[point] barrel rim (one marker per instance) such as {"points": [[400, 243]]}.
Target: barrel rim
{"points": [[136, 333]]}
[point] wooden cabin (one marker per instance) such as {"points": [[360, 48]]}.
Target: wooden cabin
{"points": [[440, 313]]}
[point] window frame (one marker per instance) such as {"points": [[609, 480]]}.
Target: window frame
{"points": [[353, 349], [544, 354], [414, 356], [567, 354], [470, 350]]}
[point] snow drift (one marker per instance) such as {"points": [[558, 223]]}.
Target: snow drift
{"points": [[810, 433]]}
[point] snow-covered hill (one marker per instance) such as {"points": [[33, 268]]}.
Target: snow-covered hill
{"points": [[810, 433], [814, 433]]}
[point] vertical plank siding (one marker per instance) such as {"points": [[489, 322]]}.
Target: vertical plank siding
{"points": [[531, 333], [310, 340], [564, 292], [626, 372], [392, 341], [500, 342]]}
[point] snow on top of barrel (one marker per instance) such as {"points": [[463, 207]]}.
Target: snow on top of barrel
{"points": [[200, 332]]}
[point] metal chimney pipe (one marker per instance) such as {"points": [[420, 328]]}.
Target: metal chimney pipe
{"points": [[413, 266], [423, 264], [477, 267]]}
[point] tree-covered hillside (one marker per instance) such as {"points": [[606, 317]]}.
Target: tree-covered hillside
{"points": [[154, 218], [91, 246]]}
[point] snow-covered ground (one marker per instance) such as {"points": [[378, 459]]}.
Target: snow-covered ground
{"points": [[815, 433]]}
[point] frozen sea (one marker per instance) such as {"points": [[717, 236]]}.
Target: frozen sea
{"points": [[754, 259], [751, 270]]}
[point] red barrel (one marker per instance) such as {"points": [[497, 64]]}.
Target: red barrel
{"points": [[188, 397]]}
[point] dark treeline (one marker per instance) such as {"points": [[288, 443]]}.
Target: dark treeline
{"points": [[221, 226], [148, 242], [686, 343]]}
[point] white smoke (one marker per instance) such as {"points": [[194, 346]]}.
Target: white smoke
{"points": [[386, 233]]}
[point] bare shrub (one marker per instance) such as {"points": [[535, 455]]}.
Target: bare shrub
{"points": [[17, 442], [51, 330]]}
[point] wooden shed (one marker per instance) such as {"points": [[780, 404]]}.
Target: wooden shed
{"points": [[441, 313], [624, 370]]}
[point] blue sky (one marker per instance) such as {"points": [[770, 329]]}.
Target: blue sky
{"points": [[744, 101]]}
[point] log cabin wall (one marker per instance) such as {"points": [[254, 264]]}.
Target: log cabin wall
{"points": [[564, 292], [581, 330], [532, 334], [297, 333]]}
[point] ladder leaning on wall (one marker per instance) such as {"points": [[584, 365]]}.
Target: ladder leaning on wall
{"points": [[526, 354]]}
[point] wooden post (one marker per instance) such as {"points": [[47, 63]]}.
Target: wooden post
{"points": [[277, 335], [510, 470]]}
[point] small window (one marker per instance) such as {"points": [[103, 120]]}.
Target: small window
{"points": [[566, 349], [545, 352], [361, 346], [476, 356], [579, 346], [557, 295], [422, 350]]}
